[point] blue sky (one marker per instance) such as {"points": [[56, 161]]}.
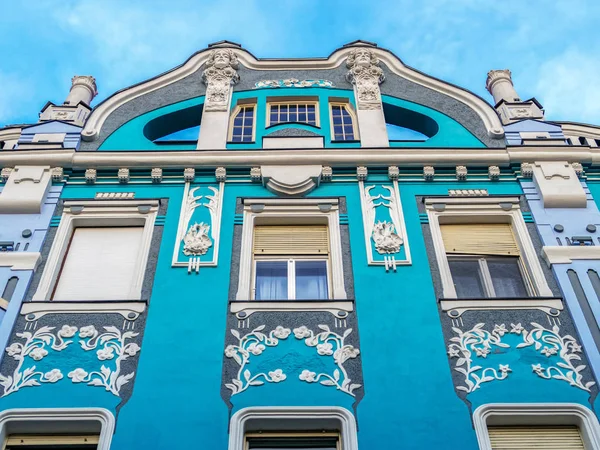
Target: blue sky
{"points": [[551, 46]]}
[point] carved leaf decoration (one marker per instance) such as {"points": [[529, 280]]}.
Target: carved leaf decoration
{"points": [[327, 383], [589, 384], [96, 382], [105, 372], [336, 374], [247, 375], [30, 382], [235, 333], [123, 379], [260, 328], [6, 381], [129, 335], [237, 382], [257, 383], [460, 361], [28, 371], [347, 333], [231, 387], [324, 327], [353, 387], [462, 388]]}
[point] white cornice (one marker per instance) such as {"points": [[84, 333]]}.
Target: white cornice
{"points": [[580, 129], [103, 110], [566, 255], [11, 133], [438, 157]]}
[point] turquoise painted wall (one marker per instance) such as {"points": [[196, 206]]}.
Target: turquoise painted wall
{"points": [[130, 136], [409, 397]]}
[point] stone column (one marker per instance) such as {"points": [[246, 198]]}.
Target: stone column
{"points": [[499, 84], [219, 76], [366, 76], [83, 89]]}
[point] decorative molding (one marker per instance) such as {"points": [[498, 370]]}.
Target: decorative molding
{"points": [[461, 173], [566, 255], [329, 343], [114, 195], [48, 420], [494, 173], [523, 414], [91, 176], [428, 173], [526, 170], [362, 173], [292, 82], [468, 193], [243, 310], [112, 343], [480, 342], [189, 174], [156, 174], [291, 181], [123, 175], [326, 173], [289, 417], [393, 173], [57, 174], [387, 236], [487, 113], [5, 173], [195, 237], [221, 174], [20, 260], [254, 343], [552, 343], [578, 168], [34, 311], [35, 347], [456, 307], [220, 74], [255, 174], [366, 76]]}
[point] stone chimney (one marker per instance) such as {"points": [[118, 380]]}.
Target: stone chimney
{"points": [[513, 109], [83, 89]]}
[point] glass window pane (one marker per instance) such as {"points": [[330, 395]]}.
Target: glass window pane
{"points": [[302, 117], [283, 117], [238, 120], [236, 138], [283, 108], [506, 277], [293, 117], [271, 280], [348, 129], [311, 108], [293, 108], [298, 443], [337, 120], [273, 118], [249, 112], [311, 117], [466, 278], [311, 280]]}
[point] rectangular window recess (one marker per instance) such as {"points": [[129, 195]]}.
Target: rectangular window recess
{"points": [[296, 440], [54, 442]]}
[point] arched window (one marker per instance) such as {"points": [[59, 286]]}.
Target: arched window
{"points": [[242, 125], [407, 125], [342, 122], [300, 111]]}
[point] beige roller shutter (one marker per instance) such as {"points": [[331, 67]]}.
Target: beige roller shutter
{"points": [[291, 240], [480, 239], [525, 438], [100, 264]]}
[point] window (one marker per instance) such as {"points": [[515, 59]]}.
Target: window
{"points": [[242, 124], [484, 260], [100, 251], [551, 426], [483, 249], [40, 442], [293, 112], [291, 262], [342, 122], [100, 264], [291, 250], [304, 441], [315, 428]]}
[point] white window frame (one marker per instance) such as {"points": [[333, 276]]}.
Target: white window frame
{"points": [[58, 421], [291, 101], [275, 212], [353, 117], [234, 114], [536, 414], [291, 273], [94, 213], [300, 418], [485, 210]]}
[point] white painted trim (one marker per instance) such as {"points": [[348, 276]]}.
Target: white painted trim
{"points": [[368, 231], [98, 213], [488, 304], [58, 420], [275, 209], [566, 255], [536, 414], [250, 307], [40, 309], [483, 109], [467, 210], [580, 129], [280, 416], [334, 157], [20, 260], [214, 227]]}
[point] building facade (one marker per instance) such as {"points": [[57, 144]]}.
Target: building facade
{"points": [[327, 253]]}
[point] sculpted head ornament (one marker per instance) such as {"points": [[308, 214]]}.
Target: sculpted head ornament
{"points": [[222, 58], [366, 75], [362, 57]]}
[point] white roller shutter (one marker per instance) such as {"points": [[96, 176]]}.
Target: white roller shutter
{"points": [[291, 240], [480, 239], [527, 438], [100, 264]]}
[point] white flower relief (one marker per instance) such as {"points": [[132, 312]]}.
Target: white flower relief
{"points": [[256, 349], [67, 331], [302, 332], [53, 375], [516, 329], [281, 332], [131, 349], [89, 331], [277, 375], [38, 353], [308, 376], [78, 375], [230, 351], [325, 349], [105, 353], [14, 349], [504, 368]]}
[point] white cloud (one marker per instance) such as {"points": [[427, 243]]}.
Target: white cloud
{"points": [[569, 86]]}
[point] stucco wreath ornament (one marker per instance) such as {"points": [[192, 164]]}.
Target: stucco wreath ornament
{"points": [[196, 241]]}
